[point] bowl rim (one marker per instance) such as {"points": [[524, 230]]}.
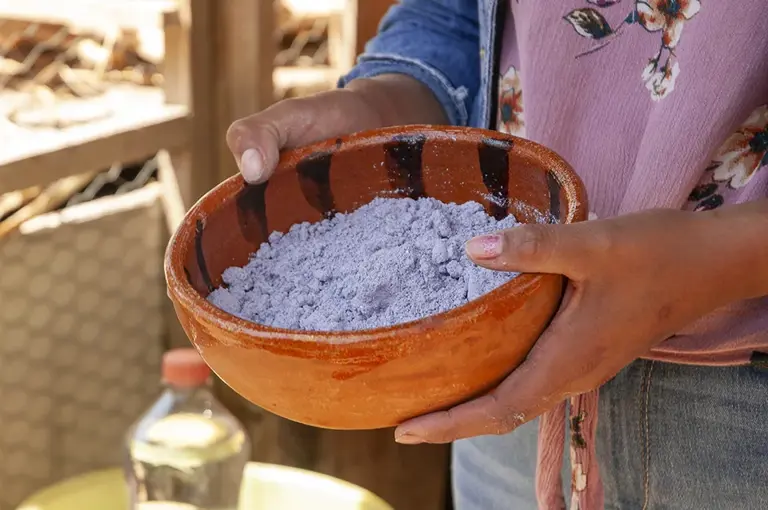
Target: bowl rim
{"points": [[181, 290]]}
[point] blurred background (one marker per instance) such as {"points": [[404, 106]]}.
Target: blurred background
{"points": [[112, 123]]}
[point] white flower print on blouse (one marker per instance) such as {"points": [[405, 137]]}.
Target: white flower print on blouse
{"points": [[736, 163], [745, 151], [667, 17]]}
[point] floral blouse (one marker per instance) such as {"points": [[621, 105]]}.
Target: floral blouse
{"points": [[655, 103], [690, 44]]}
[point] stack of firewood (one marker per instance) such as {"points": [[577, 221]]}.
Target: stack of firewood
{"points": [[49, 63], [77, 64]]}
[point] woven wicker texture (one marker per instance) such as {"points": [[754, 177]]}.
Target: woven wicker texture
{"points": [[82, 335]]}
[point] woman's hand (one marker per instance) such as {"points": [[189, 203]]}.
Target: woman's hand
{"points": [[633, 282], [386, 100]]}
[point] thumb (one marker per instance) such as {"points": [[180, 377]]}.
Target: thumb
{"points": [[555, 249], [256, 141]]}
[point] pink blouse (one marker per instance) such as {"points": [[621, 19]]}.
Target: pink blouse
{"points": [[656, 104]]}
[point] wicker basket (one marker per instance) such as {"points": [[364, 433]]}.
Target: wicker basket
{"points": [[81, 335]]}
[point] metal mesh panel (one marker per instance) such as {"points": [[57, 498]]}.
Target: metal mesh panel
{"points": [[118, 180]]}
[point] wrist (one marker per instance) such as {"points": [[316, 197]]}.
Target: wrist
{"points": [[397, 99], [739, 236]]}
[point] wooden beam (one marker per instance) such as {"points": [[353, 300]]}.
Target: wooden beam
{"points": [[188, 70], [190, 171], [342, 37], [173, 201], [369, 14], [91, 148], [245, 54]]}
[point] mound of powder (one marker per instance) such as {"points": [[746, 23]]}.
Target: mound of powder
{"points": [[391, 261]]}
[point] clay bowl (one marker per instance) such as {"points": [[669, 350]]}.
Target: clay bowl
{"points": [[380, 377]]}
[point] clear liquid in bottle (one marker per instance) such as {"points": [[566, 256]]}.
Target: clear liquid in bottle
{"points": [[187, 452]]}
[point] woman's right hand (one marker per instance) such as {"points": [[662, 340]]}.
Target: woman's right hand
{"points": [[387, 100]]}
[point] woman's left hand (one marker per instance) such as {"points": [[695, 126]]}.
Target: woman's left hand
{"points": [[633, 281]]}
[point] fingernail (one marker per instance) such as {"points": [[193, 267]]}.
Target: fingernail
{"points": [[407, 438], [485, 247], [252, 165]]}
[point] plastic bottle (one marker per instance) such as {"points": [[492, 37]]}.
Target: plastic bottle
{"points": [[187, 451]]}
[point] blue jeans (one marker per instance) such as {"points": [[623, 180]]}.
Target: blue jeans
{"points": [[669, 437]]}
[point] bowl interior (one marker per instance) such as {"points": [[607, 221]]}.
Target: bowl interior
{"points": [[505, 174]]}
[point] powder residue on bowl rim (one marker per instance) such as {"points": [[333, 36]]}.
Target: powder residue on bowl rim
{"points": [[391, 261]]}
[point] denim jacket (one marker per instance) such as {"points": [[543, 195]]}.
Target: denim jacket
{"points": [[449, 45]]}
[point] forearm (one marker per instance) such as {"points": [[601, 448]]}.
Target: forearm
{"points": [[398, 99], [738, 244], [436, 43]]}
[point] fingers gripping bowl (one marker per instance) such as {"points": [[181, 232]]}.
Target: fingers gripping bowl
{"points": [[378, 377]]}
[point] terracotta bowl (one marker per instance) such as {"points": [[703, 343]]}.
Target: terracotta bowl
{"points": [[379, 377]]}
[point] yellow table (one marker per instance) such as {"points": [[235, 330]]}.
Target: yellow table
{"points": [[265, 487]]}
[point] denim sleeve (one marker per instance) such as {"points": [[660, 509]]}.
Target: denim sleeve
{"points": [[434, 41]]}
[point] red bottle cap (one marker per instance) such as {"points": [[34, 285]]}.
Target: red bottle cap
{"points": [[184, 368]]}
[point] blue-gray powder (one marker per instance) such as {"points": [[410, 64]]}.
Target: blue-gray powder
{"points": [[391, 261]]}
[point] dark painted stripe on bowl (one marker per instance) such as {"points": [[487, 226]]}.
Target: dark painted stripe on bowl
{"points": [[494, 166], [252, 207], [554, 197], [199, 227], [314, 173], [403, 161]]}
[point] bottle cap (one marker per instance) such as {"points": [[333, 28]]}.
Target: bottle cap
{"points": [[184, 368]]}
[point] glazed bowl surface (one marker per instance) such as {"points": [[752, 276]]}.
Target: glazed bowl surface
{"points": [[379, 377]]}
